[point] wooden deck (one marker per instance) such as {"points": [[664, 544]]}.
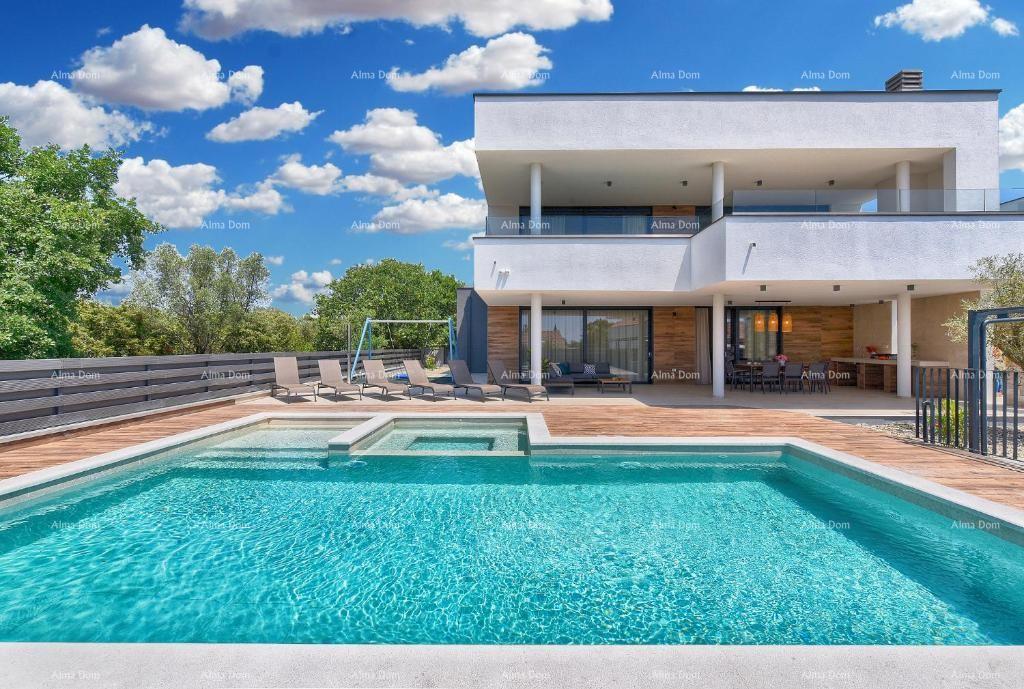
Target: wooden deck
{"points": [[974, 476]]}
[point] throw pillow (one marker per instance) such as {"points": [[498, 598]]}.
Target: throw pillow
{"points": [[590, 369]]}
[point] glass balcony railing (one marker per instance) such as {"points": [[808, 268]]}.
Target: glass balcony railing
{"points": [[597, 225], [789, 201], [874, 201]]}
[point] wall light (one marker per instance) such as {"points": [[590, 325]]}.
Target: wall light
{"points": [[835, 288], [764, 288]]}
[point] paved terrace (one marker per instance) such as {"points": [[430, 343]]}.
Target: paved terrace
{"points": [[586, 414]]}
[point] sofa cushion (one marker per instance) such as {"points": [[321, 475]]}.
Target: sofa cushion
{"points": [[602, 367], [576, 367], [564, 368]]}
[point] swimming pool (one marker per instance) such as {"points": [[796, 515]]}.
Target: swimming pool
{"points": [[257, 537]]}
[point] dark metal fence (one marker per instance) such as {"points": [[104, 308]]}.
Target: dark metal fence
{"points": [[45, 393], [968, 409]]}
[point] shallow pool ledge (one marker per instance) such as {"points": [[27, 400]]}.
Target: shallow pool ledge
{"points": [[88, 666]]}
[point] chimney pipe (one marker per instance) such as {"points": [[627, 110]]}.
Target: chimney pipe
{"points": [[905, 80]]}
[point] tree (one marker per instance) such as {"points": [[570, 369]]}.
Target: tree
{"points": [[1003, 281], [390, 289], [209, 293], [271, 330], [61, 225], [125, 330]]}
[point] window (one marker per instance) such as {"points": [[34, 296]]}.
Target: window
{"points": [[748, 335], [618, 337]]}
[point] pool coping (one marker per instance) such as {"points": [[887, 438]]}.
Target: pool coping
{"points": [[156, 666], [46, 664]]}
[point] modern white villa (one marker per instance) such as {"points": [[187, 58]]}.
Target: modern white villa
{"points": [[672, 233]]}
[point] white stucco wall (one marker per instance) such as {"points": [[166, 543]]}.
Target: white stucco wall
{"points": [[860, 247], [966, 121], [748, 249], [626, 263]]}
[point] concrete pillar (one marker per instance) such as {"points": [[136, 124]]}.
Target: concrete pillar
{"points": [[536, 341], [904, 345], [949, 183], [717, 190], [718, 345], [903, 185], [535, 201]]}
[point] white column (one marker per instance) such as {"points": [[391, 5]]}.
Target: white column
{"points": [[536, 341], [903, 185], [718, 345], [904, 345], [717, 190], [535, 203], [894, 345]]}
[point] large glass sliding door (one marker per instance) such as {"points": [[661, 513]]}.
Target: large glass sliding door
{"points": [[618, 337], [752, 334]]}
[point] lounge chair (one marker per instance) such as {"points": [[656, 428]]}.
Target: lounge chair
{"points": [[377, 377], [286, 377], [501, 375], [463, 379], [418, 380], [330, 377]]}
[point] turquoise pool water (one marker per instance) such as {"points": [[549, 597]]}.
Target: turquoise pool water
{"points": [[220, 543], [448, 435]]}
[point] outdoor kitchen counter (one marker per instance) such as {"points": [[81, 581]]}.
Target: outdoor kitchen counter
{"points": [[873, 374]]}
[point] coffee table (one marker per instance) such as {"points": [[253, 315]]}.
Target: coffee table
{"points": [[625, 383]]}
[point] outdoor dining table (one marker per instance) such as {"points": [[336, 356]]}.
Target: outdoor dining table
{"points": [[751, 366]]}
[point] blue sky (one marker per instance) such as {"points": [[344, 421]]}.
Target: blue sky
{"points": [[319, 151]]}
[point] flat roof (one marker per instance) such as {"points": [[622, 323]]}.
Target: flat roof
{"points": [[546, 94]]}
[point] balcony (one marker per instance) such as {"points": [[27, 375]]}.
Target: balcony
{"points": [[623, 224], [766, 201], [855, 201]]}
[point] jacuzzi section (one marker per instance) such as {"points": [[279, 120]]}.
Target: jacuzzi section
{"points": [[450, 436]]}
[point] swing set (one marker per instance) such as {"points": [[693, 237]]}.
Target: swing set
{"points": [[367, 338]]}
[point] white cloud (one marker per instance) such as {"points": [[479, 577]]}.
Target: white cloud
{"points": [[466, 245], [246, 85], [260, 124], [263, 199], [149, 70], [1011, 139], [935, 20], [512, 61], [375, 185], [275, 260], [404, 150], [47, 112], [448, 211], [304, 286], [311, 179], [1004, 27], [807, 88], [183, 196], [216, 19], [335, 261]]}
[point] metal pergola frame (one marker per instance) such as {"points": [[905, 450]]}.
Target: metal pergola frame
{"points": [[367, 337]]}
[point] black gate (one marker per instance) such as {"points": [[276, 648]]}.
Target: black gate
{"points": [[969, 409]]}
